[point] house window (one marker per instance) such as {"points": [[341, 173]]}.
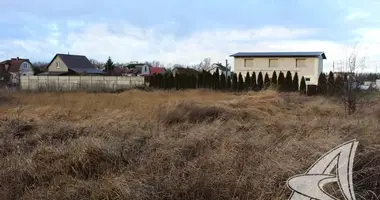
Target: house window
{"points": [[273, 62], [307, 79], [248, 63], [57, 64], [300, 63], [25, 65]]}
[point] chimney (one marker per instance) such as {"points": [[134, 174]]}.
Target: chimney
{"points": [[18, 58]]}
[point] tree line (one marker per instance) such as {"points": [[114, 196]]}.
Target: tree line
{"points": [[328, 85], [235, 82]]}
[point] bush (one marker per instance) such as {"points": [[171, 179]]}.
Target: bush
{"points": [[303, 86], [274, 79], [266, 81], [247, 81], [228, 83], [253, 81], [295, 82], [234, 82], [322, 84], [330, 85], [223, 82], [288, 82], [240, 82], [260, 81], [281, 82]]}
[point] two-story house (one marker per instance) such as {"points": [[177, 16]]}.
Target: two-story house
{"points": [[307, 64], [11, 70]]}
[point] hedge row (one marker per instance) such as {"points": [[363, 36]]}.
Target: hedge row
{"points": [[235, 82]]}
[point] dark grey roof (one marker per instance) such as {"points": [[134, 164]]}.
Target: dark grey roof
{"points": [[86, 70], [279, 54], [76, 61]]}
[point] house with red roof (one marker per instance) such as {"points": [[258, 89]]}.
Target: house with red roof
{"points": [[11, 70], [142, 69], [157, 70]]}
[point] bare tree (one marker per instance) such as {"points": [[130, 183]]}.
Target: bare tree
{"points": [[349, 92], [155, 63], [205, 64], [97, 64]]}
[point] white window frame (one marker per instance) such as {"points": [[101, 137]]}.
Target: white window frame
{"points": [[57, 64], [25, 65], [298, 66], [273, 59], [249, 59]]}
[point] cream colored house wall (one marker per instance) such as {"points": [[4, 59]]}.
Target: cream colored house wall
{"points": [[312, 69], [53, 66]]}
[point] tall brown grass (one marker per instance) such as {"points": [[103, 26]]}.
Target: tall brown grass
{"points": [[174, 145]]}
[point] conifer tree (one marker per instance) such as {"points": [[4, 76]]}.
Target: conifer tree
{"points": [[247, 81], [109, 66], [204, 79], [228, 83], [274, 79], [223, 82], [281, 82], [288, 81], [216, 79], [234, 82], [295, 82], [152, 81], [303, 86], [240, 82], [160, 81], [322, 84], [165, 81], [182, 81], [200, 80], [253, 81], [176, 81], [345, 77], [266, 81], [260, 81], [171, 77], [210, 80], [195, 81], [339, 85], [331, 84]]}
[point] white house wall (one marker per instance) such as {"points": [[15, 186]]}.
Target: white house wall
{"points": [[226, 73], [26, 71], [311, 70]]}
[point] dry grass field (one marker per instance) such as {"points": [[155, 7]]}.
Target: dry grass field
{"points": [[175, 145]]}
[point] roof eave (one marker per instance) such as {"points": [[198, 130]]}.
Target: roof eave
{"points": [[236, 55], [279, 56], [323, 55]]}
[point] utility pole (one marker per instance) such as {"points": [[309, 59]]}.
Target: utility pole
{"points": [[376, 68], [333, 66], [227, 64]]}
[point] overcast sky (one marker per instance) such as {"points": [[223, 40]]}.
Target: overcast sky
{"points": [[185, 32]]}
